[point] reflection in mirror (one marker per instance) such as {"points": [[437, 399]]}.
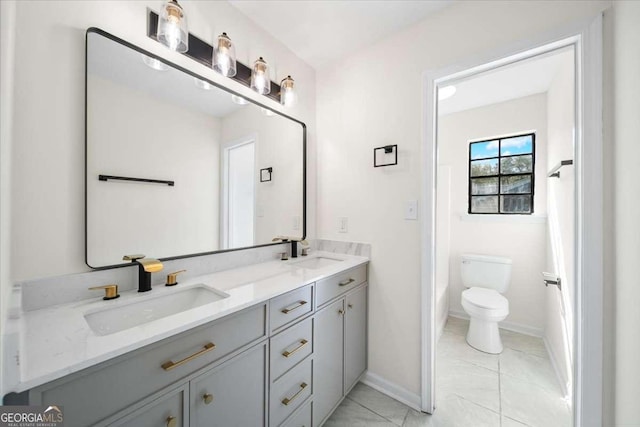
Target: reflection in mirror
{"points": [[149, 121]]}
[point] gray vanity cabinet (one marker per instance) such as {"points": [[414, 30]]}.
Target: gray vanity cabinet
{"points": [[328, 364], [232, 394], [340, 340], [167, 410], [355, 342]]}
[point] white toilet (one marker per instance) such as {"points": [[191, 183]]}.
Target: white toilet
{"points": [[486, 278]]}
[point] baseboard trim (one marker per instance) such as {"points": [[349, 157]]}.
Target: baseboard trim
{"points": [[392, 390], [509, 326], [554, 363]]}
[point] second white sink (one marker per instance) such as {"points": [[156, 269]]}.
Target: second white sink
{"points": [[316, 262], [111, 320]]}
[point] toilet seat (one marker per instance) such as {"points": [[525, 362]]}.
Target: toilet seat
{"points": [[487, 299]]}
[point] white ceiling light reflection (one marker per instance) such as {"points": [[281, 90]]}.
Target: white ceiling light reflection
{"points": [[446, 92], [202, 84], [154, 63], [239, 100], [267, 112]]}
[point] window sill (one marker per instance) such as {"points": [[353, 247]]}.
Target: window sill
{"points": [[519, 219]]}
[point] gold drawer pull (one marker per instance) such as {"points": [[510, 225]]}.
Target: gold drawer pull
{"points": [[171, 421], [289, 310], [346, 282], [287, 400], [167, 366], [289, 353], [207, 398]]}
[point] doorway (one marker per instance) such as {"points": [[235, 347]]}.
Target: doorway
{"points": [[239, 194], [585, 335]]}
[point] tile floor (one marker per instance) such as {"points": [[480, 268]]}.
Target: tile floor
{"points": [[514, 389]]}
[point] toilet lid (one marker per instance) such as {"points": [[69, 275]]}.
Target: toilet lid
{"points": [[485, 298]]}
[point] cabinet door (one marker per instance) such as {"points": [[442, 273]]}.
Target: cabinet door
{"points": [[233, 394], [328, 360], [355, 340], [167, 410]]}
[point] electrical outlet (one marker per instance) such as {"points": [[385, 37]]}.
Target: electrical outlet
{"points": [[411, 210], [296, 222], [343, 224]]}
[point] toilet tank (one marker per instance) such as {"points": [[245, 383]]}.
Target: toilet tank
{"points": [[485, 271]]}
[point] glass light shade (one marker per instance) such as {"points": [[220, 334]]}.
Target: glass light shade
{"points": [[154, 63], [260, 81], [202, 84], [288, 96], [224, 56], [172, 27], [239, 100]]}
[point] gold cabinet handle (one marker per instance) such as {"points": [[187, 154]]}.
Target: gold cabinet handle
{"points": [[171, 421], [287, 353], [207, 398], [341, 312], [167, 366], [350, 305], [346, 282], [110, 291], [287, 400], [295, 307]]}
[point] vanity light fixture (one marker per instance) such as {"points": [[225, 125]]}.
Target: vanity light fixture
{"points": [[446, 92], [239, 100], [202, 84], [288, 95], [224, 56], [260, 81], [154, 63], [172, 27]]}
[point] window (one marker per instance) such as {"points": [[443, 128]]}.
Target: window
{"points": [[501, 177]]}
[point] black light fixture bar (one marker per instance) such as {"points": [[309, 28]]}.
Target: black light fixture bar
{"points": [[202, 52], [126, 178]]}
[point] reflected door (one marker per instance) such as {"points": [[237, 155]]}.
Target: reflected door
{"points": [[240, 189]]}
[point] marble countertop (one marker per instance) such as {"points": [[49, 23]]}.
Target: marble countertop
{"points": [[57, 341]]}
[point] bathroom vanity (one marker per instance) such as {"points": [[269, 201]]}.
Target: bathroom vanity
{"points": [[282, 350]]}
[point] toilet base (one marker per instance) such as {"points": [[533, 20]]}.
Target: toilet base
{"points": [[484, 336]]}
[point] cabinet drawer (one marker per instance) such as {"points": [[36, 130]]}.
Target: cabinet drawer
{"points": [[290, 347], [98, 392], [331, 287], [290, 306], [302, 418], [168, 410], [289, 392]]}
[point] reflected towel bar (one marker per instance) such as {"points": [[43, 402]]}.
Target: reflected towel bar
{"points": [[125, 178], [555, 172]]}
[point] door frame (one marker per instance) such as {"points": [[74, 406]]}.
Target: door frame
{"points": [[586, 37], [225, 148]]}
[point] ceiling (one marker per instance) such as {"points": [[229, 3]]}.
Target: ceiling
{"points": [[517, 80], [321, 32]]}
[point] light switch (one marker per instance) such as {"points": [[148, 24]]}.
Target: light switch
{"points": [[411, 210], [343, 224]]}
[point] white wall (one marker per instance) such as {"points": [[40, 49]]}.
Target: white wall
{"points": [[559, 316], [156, 220], [48, 146], [626, 128], [278, 145], [374, 98], [514, 237]]}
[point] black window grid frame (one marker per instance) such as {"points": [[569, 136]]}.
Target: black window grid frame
{"points": [[500, 174]]}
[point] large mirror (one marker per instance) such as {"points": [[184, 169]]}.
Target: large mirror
{"points": [[177, 166]]}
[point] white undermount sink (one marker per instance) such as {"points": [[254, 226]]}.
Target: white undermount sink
{"points": [[147, 309], [316, 262]]}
